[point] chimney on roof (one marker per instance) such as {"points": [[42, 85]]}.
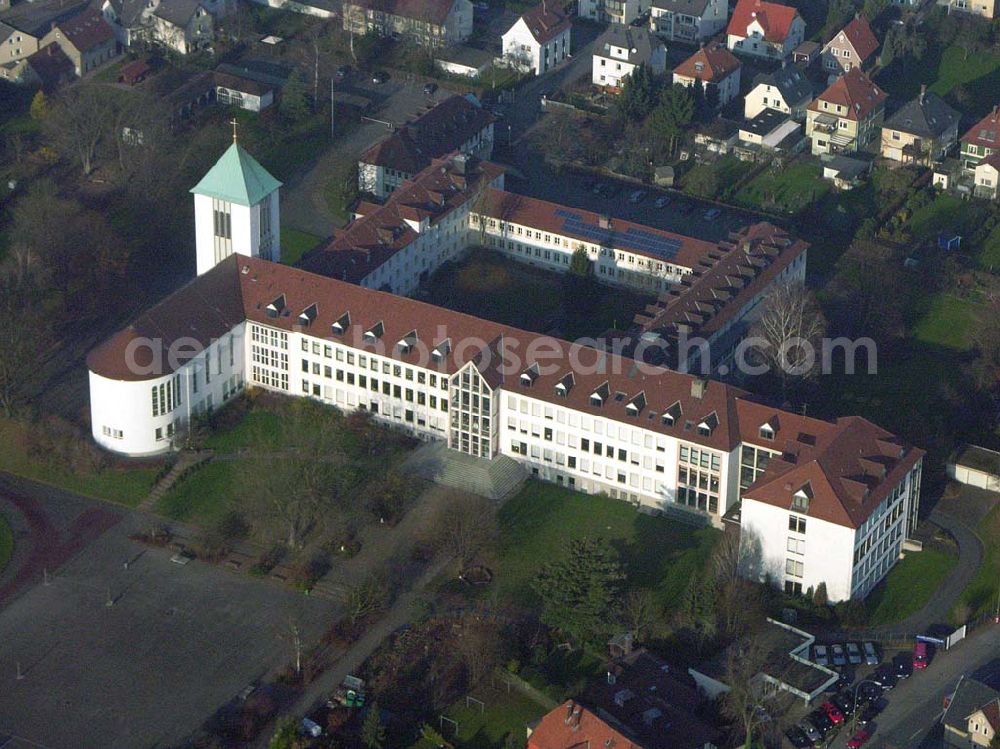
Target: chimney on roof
{"points": [[604, 221], [569, 711], [923, 92], [698, 387]]}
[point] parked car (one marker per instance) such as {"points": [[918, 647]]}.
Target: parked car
{"points": [[858, 740], [871, 655], [844, 702], [903, 664], [662, 201], [637, 196], [310, 727], [430, 88], [380, 77], [838, 654], [821, 722], [798, 737], [868, 692], [343, 71], [810, 731], [921, 658], [820, 655], [712, 213], [884, 677], [832, 712], [867, 715], [853, 654]]}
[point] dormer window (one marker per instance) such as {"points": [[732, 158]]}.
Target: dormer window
{"points": [[342, 323], [274, 308], [707, 425], [529, 376], [407, 342], [801, 498], [565, 385], [635, 406], [599, 396], [375, 332], [441, 350], [672, 414], [307, 315], [766, 432]]}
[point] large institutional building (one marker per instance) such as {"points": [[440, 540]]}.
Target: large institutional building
{"points": [[818, 501]]}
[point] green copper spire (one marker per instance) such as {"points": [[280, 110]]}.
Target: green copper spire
{"points": [[238, 178]]}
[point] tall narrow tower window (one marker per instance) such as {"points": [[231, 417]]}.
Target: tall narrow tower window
{"points": [[223, 229]]}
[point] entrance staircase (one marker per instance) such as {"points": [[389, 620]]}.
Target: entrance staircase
{"points": [[495, 479]]}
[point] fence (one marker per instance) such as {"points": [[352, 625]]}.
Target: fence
{"points": [[515, 681]]}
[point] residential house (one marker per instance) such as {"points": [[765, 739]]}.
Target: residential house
{"points": [[982, 139], [769, 132], [717, 137], [844, 172], [806, 53], [852, 47], [432, 23], [972, 718], [613, 11], [464, 60], [847, 117], [922, 131], [715, 69], [459, 123], [764, 29], [986, 178], [182, 25], [86, 39], [982, 8], [243, 92], [538, 41], [787, 90], [49, 68], [15, 44], [688, 20], [621, 49], [572, 725]]}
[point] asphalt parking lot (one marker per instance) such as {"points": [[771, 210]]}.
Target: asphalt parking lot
{"points": [[175, 643]]}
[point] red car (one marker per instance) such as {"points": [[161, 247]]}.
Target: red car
{"points": [[858, 740], [833, 713], [920, 655]]}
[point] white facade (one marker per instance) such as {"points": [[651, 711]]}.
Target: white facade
{"points": [[752, 42], [611, 67], [613, 11], [765, 96], [250, 102], [522, 51], [727, 87], [798, 552], [674, 25], [146, 417], [223, 228]]}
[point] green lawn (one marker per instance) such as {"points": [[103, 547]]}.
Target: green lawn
{"points": [[943, 70], [489, 285], [714, 179], [6, 543], [295, 244], [487, 727], [909, 586], [946, 213], [127, 486], [947, 322], [981, 594], [205, 495], [989, 258], [956, 69], [541, 519], [788, 190]]}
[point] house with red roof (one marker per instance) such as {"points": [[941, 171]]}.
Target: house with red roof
{"points": [[86, 39], [538, 41], [571, 725], [854, 46], [713, 67], [981, 140], [431, 23], [763, 29], [847, 117]]}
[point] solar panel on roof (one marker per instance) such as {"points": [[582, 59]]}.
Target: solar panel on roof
{"points": [[632, 238]]}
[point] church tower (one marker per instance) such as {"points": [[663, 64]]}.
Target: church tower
{"points": [[236, 210]]}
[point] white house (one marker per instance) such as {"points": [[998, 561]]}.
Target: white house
{"points": [[180, 25], [715, 69], [764, 29], [612, 11], [621, 49], [787, 90], [986, 178], [431, 23], [236, 210], [538, 41], [688, 20]]}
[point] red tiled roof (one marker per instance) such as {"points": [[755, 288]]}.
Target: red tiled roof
{"points": [[775, 19], [87, 30], [545, 22], [709, 64], [854, 91], [430, 11], [860, 35], [993, 160], [51, 65], [992, 713], [849, 465], [571, 726], [986, 132], [544, 216], [370, 241], [437, 132]]}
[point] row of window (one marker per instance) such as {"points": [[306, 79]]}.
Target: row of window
{"points": [[166, 396]]}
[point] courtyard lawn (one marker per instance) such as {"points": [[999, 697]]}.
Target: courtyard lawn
{"points": [[487, 726], [295, 244], [909, 586], [944, 70], [489, 285], [947, 322], [981, 596], [6, 543], [205, 495], [957, 69], [789, 190], [714, 179], [541, 519], [119, 484], [989, 258], [947, 213]]}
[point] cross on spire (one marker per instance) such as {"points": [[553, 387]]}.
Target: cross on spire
{"points": [[234, 122]]}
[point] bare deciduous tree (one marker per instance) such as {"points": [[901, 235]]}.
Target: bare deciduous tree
{"points": [[746, 701], [639, 611], [78, 123], [368, 597], [789, 330], [23, 341], [467, 525]]}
